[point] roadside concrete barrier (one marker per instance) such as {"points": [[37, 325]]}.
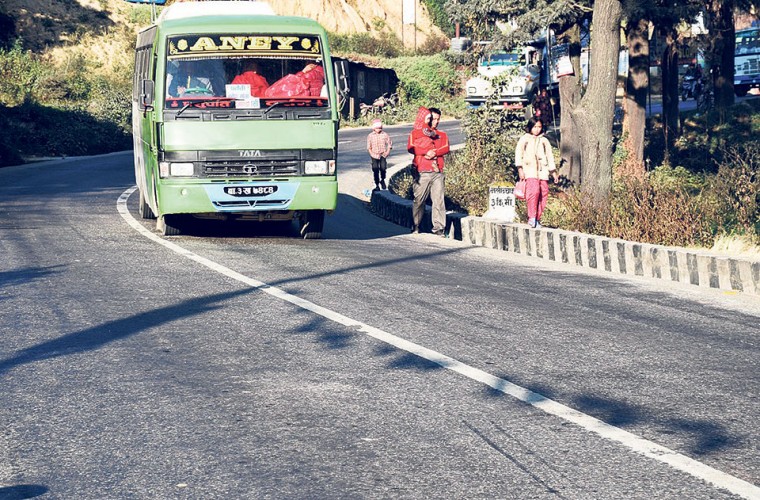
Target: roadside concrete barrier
{"points": [[684, 265]]}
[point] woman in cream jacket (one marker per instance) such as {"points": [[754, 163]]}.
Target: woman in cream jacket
{"points": [[535, 161]]}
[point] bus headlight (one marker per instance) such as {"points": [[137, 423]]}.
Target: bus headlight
{"points": [[319, 167], [170, 169]]}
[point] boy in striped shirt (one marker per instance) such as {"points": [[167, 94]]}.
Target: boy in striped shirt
{"points": [[379, 146]]}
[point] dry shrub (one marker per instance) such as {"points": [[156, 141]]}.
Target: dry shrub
{"points": [[736, 190], [645, 210], [671, 206], [401, 182], [434, 44]]}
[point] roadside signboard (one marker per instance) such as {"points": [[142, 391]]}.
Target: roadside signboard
{"points": [[501, 203]]}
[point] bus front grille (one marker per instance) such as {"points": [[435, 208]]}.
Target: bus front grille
{"points": [[258, 168]]}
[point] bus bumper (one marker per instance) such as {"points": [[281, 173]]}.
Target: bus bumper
{"points": [[317, 193]]}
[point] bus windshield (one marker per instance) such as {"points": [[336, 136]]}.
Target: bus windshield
{"points": [[748, 42], [244, 71]]}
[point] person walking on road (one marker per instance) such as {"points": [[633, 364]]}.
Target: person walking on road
{"points": [[379, 146], [535, 161], [429, 145]]}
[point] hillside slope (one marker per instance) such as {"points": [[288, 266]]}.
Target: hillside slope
{"points": [[360, 16], [46, 24]]}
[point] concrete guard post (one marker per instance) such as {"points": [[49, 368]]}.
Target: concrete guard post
{"points": [[683, 265]]}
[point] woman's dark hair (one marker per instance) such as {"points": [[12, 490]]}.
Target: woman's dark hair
{"points": [[532, 121]]}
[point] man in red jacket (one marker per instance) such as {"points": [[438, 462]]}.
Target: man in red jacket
{"points": [[429, 145]]}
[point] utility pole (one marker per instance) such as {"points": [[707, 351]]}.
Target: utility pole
{"points": [[409, 16], [415, 26]]}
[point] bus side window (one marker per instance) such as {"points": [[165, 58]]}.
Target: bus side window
{"points": [[142, 72]]}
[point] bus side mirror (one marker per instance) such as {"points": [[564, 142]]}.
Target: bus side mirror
{"points": [[147, 92]]}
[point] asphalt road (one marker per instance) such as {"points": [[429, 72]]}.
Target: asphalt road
{"points": [[243, 362]]}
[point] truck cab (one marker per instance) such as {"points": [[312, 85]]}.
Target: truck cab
{"points": [[525, 71]]}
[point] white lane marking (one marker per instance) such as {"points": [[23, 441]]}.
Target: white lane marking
{"points": [[638, 444]]}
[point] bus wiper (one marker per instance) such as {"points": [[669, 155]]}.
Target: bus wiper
{"points": [[271, 106]]}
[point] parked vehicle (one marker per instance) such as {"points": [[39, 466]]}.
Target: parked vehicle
{"points": [[531, 68], [747, 61], [537, 65]]}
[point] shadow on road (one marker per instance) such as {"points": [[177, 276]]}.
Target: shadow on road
{"points": [[96, 337], [22, 491]]}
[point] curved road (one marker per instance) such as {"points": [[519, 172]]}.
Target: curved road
{"points": [[243, 362]]}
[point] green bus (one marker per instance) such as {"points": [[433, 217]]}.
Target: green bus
{"points": [[234, 117]]}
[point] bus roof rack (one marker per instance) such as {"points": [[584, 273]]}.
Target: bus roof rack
{"points": [[183, 10]]}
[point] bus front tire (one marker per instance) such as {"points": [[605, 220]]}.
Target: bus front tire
{"points": [[168, 225], [144, 208], [312, 223]]}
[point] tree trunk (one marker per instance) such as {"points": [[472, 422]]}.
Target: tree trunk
{"points": [[669, 65], [596, 111], [636, 90], [720, 60], [569, 96]]}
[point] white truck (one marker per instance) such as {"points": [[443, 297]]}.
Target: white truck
{"points": [[531, 71]]}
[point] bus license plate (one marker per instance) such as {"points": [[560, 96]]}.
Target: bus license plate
{"points": [[250, 190]]}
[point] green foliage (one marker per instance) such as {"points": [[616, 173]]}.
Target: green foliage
{"points": [[21, 75], [9, 154], [42, 130], [619, 152], [73, 79], [385, 45], [139, 15], [479, 17], [466, 59], [111, 101], [671, 178], [61, 109], [703, 136], [438, 14], [423, 81], [426, 79]]}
